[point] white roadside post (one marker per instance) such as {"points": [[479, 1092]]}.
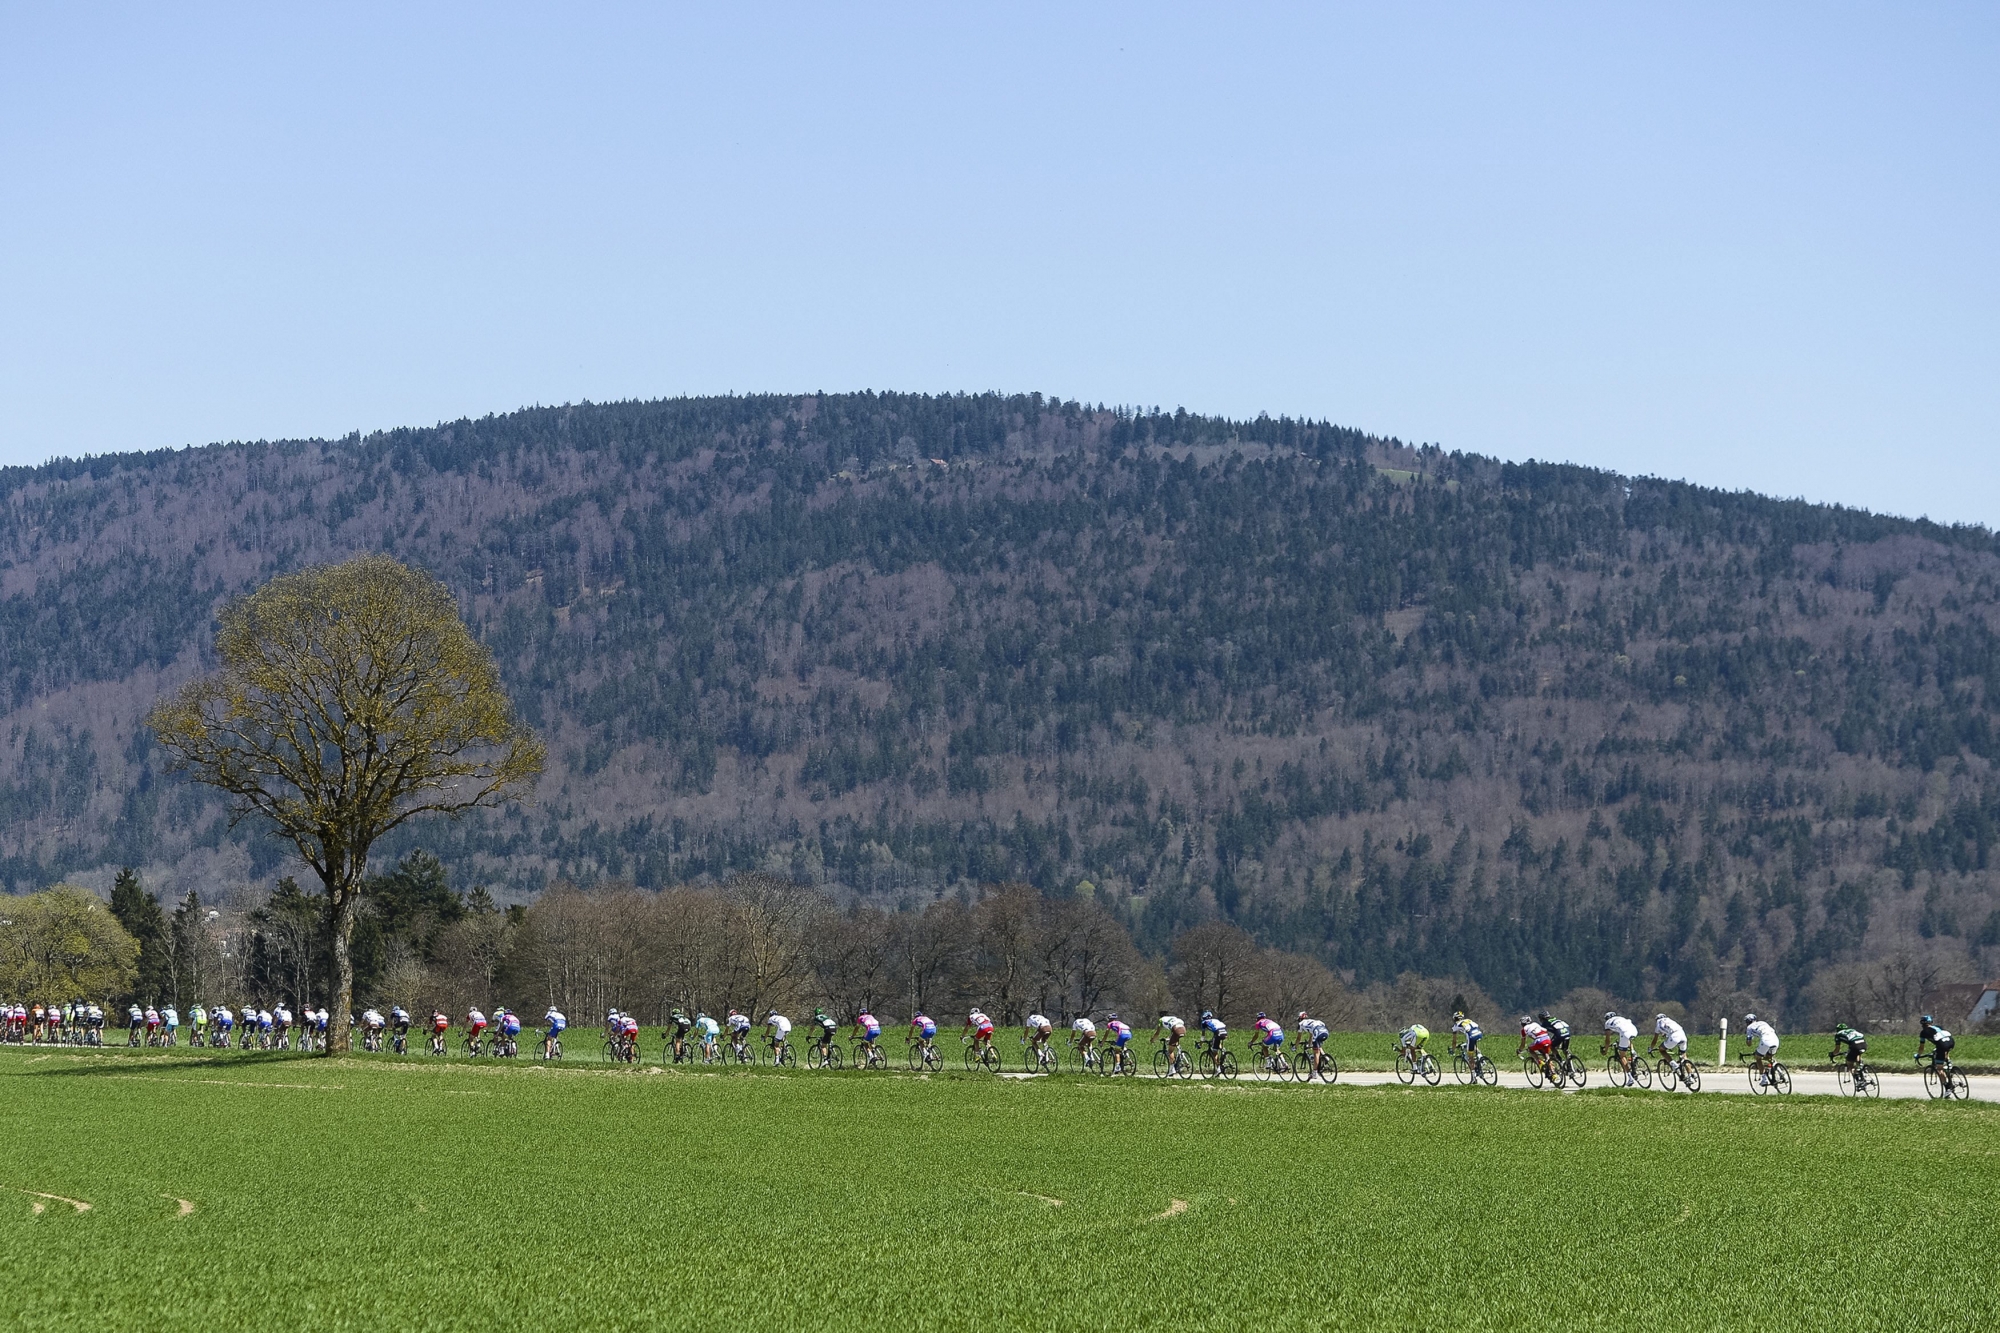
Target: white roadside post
{"points": [[1722, 1049]]}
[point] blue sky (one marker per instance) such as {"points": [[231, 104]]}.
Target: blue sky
{"points": [[1750, 246]]}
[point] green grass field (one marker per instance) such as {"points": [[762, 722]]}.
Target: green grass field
{"points": [[375, 1193]]}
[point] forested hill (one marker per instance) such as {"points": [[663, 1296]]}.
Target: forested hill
{"points": [[1539, 725]]}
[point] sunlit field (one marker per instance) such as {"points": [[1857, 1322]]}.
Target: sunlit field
{"points": [[281, 1191]]}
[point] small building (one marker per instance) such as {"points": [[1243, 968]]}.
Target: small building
{"points": [[1963, 1005]]}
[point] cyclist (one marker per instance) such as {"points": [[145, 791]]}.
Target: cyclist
{"points": [[1410, 1042], [628, 1035], [510, 1028], [1467, 1031], [1558, 1034], [829, 1029], [739, 1032], [1218, 1032], [681, 1024], [475, 1028], [320, 1019], [198, 1024], [1274, 1035], [399, 1023], [706, 1030], [1086, 1037], [1312, 1036], [282, 1018], [1762, 1038], [1856, 1042], [982, 1031], [923, 1030], [1619, 1030], [170, 1020], [1037, 1033], [557, 1023], [1940, 1040], [372, 1024], [1537, 1039], [779, 1027], [267, 1023], [225, 1023], [870, 1028], [1669, 1037], [1173, 1030], [440, 1025], [1121, 1037], [137, 1033]]}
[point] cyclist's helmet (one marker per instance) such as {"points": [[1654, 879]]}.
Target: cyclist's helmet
{"points": [[1302, 1015], [1542, 1017], [1749, 1018], [1208, 1013], [1525, 1020], [1610, 1013], [1926, 1018], [1111, 1017], [699, 1015], [1456, 1014], [1262, 1014]]}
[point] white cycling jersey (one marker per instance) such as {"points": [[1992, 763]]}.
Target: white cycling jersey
{"points": [[1312, 1027], [1764, 1035], [1085, 1026], [1672, 1035], [1039, 1021], [739, 1022], [781, 1027], [1624, 1028]]}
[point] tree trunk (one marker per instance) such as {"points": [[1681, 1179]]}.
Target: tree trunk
{"points": [[346, 907]]}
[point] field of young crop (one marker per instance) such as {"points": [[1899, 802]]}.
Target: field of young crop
{"points": [[303, 1194]]}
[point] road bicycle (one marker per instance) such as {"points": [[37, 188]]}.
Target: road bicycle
{"points": [[740, 1052], [1473, 1066], [1217, 1062], [1776, 1078], [552, 1047], [867, 1055], [1638, 1075], [1540, 1069], [470, 1045], [437, 1043], [1179, 1065], [1423, 1065], [1856, 1080], [1675, 1066], [780, 1055], [1573, 1069], [924, 1057], [1315, 1061], [506, 1047], [400, 1043], [825, 1056], [619, 1051], [980, 1055], [1118, 1059], [1039, 1058], [1088, 1058], [1941, 1077], [371, 1040], [1275, 1062]]}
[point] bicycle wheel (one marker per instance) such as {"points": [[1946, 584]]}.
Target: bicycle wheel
{"points": [[1430, 1071], [1690, 1076], [1461, 1070], [1871, 1084], [1302, 1068], [1226, 1065], [1848, 1081], [1281, 1064], [1933, 1085], [1642, 1073], [1406, 1069], [1533, 1069], [1160, 1067], [1051, 1062], [1487, 1072], [1579, 1073], [1781, 1078], [1760, 1082], [1961, 1087]]}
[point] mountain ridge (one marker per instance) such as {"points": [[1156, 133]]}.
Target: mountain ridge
{"points": [[1535, 724]]}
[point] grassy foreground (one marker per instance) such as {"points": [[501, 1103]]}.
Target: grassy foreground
{"points": [[371, 1193]]}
